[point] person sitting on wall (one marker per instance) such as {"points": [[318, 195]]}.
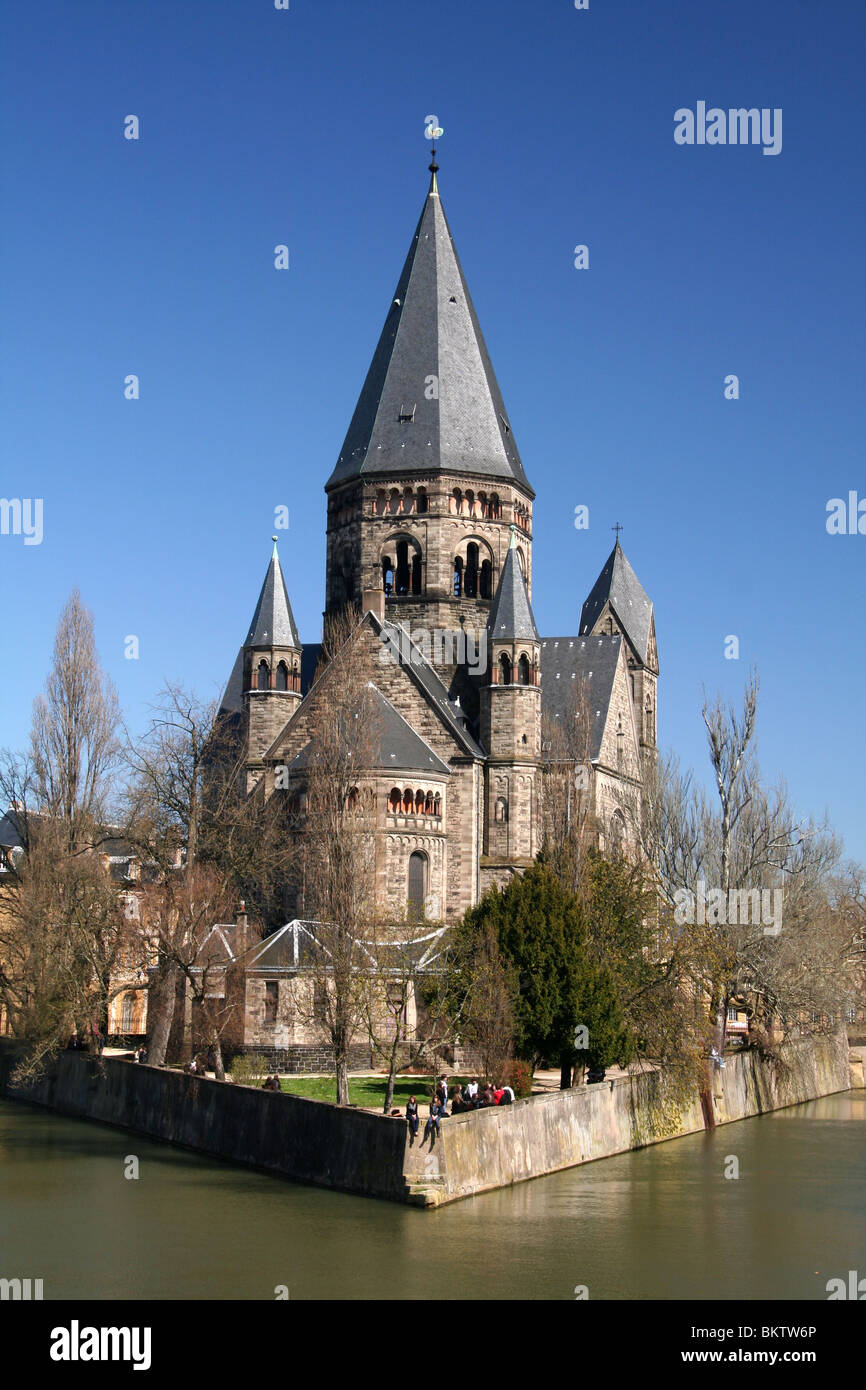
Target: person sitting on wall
{"points": [[498, 1093], [432, 1125], [412, 1119], [142, 1056], [472, 1089], [507, 1096], [458, 1104]]}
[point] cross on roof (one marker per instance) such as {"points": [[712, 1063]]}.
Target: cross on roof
{"points": [[616, 528]]}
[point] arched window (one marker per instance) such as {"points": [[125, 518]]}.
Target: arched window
{"points": [[416, 573], [485, 585], [649, 735], [522, 559], [504, 669], [500, 810], [428, 804], [617, 834], [381, 506], [263, 677], [419, 803], [620, 744], [394, 800], [408, 501], [495, 506], [387, 574], [422, 499], [467, 503], [394, 502], [282, 682], [408, 801], [458, 577], [523, 670], [417, 884], [454, 501], [437, 805], [482, 504], [401, 578], [353, 800], [471, 585]]}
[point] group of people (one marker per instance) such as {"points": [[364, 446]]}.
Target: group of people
{"points": [[271, 1083], [470, 1097]]}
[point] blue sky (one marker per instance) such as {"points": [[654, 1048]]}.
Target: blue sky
{"points": [[305, 127]]}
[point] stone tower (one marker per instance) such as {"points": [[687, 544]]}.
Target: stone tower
{"points": [[429, 481], [271, 669], [619, 604], [511, 727]]}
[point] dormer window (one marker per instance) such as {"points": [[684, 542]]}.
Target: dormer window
{"points": [[407, 416]]}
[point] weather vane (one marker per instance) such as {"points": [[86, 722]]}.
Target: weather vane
{"points": [[432, 131]]}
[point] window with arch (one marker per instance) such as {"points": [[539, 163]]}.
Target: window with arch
{"points": [[408, 801], [523, 669], [428, 804], [617, 834], [454, 501], [263, 676], [648, 722], [282, 679], [470, 586], [353, 801], [419, 802], [387, 574], [495, 506], [521, 558], [417, 881], [485, 580], [395, 799], [402, 574], [458, 577], [394, 501], [500, 810], [505, 669], [437, 805], [422, 500]]}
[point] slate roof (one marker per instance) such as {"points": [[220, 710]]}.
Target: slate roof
{"points": [[273, 624], [431, 331], [628, 599], [511, 612], [568, 661], [399, 747], [426, 678]]}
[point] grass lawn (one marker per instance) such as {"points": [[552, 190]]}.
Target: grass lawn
{"points": [[367, 1091]]}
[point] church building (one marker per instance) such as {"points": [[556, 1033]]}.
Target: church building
{"points": [[430, 539]]}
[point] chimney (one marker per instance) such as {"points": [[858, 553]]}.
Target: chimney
{"points": [[242, 926], [373, 601]]}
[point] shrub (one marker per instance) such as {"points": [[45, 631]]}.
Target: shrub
{"points": [[249, 1069], [520, 1078]]}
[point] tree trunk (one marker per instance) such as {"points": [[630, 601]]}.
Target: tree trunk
{"points": [[161, 1003], [392, 1069], [565, 1070], [342, 1068], [219, 1066]]}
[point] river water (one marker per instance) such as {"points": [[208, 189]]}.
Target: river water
{"points": [[664, 1222]]}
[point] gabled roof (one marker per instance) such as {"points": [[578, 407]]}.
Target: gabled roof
{"points": [[511, 617], [273, 624], [399, 747], [425, 677], [569, 664], [619, 585], [400, 426]]}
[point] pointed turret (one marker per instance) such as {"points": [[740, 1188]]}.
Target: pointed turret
{"points": [[618, 603], [511, 722], [265, 683], [511, 617]]}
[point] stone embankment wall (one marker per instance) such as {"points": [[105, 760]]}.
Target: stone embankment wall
{"points": [[315, 1142], [307, 1140], [492, 1148]]}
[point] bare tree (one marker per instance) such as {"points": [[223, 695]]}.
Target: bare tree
{"points": [[395, 978], [74, 737], [567, 788], [177, 915], [335, 842]]}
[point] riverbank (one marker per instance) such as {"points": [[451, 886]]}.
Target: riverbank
{"points": [[353, 1150]]}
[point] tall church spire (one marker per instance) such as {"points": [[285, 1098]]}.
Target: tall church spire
{"points": [[430, 401]]}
